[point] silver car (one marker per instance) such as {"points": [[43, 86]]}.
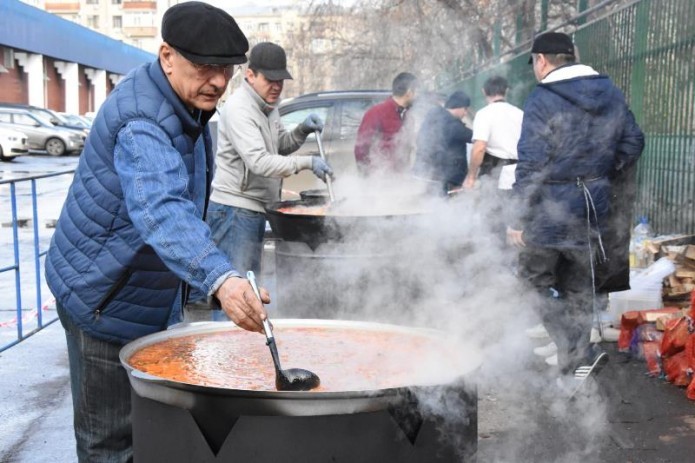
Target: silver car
{"points": [[42, 134]]}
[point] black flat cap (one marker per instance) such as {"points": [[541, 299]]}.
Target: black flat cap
{"points": [[552, 43], [204, 34], [270, 60]]}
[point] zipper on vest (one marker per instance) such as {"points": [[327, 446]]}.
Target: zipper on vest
{"points": [[111, 293]]}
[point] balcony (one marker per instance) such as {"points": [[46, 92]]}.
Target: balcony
{"points": [[139, 5], [63, 7], [138, 32]]}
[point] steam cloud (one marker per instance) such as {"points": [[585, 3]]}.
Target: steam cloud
{"points": [[442, 263]]}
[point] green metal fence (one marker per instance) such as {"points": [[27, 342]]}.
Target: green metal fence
{"points": [[648, 48]]}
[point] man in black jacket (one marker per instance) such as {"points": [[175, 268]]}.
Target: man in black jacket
{"points": [[442, 144], [578, 139]]}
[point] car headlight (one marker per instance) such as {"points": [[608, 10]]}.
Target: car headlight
{"points": [[76, 138]]}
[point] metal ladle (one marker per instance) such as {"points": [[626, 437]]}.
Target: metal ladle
{"points": [[293, 379], [329, 180]]}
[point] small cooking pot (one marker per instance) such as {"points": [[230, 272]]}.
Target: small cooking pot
{"points": [[314, 195]]}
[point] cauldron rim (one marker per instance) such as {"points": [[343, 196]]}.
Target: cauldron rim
{"points": [[153, 387], [273, 208]]}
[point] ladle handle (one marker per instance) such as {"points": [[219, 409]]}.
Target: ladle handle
{"points": [[329, 181], [266, 324]]}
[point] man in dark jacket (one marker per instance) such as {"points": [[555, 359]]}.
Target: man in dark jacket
{"points": [[577, 136], [442, 144], [132, 232]]}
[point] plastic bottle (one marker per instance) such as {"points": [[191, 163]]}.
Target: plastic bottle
{"points": [[638, 244]]}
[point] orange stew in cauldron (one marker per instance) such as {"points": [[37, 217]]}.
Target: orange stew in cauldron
{"points": [[344, 359], [304, 210]]}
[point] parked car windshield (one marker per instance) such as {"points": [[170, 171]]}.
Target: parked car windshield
{"points": [[75, 120], [44, 120]]}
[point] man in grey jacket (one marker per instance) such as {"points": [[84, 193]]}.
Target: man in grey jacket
{"points": [[252, 157]]}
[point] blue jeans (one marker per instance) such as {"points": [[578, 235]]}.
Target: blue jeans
{"points": [[100, 397], [238, 233]]}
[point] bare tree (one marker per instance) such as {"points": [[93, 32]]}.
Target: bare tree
{"points": [[365, 45]]}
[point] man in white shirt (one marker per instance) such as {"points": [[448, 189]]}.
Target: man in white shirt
{"points": [[496, 131]]}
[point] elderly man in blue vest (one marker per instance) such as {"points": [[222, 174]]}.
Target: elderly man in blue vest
{"points": [[131, 236]]}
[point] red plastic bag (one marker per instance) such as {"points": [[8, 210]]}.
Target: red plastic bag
{"points": [[628, 323], [675, 336], [676, 369], [630, 320], [648, 332], [690, 351], [650, 353], [690, 392]]}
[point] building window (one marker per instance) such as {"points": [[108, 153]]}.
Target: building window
{"points": [[278, 27], [93, 21], [117, 22], [263, 27], [116, 2], [92, 2], [145, 19]]}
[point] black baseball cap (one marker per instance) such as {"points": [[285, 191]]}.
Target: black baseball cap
{"points": [[270, 60], [458, 99], [552, 43], [204, 34]]}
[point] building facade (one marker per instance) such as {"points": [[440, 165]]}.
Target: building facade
{"points": [[95, 33], [53, 63]]}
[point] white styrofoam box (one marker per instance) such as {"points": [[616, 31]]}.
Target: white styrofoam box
{"points": [[632, 299]]}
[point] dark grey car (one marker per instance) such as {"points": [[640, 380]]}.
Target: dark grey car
{"points": [[342, 113]]}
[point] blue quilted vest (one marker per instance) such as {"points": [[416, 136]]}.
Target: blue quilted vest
{"points": [[113, 285]]}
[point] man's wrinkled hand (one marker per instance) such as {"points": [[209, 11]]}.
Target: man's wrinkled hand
{"points": [[241, 305]]}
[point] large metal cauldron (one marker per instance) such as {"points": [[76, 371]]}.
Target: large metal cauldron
{"points": [[339, 280], [348, 255], [178, 422], [341, 222]]}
